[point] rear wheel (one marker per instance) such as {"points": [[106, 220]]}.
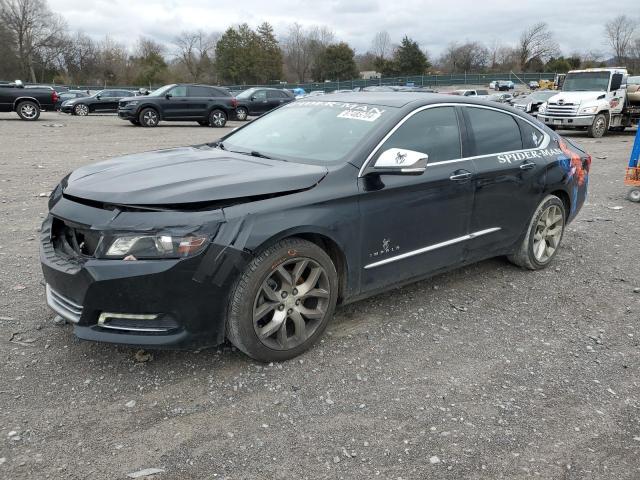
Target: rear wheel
{"points": [[599, 126], [634, 195], [217, 118], [149, 117], [81, 109], [283, 301], [543, 238], [28, 110]]}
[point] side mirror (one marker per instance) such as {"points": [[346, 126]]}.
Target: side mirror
{"points": [[18, 83], [398, 161], [168, 96], [253, 98]]}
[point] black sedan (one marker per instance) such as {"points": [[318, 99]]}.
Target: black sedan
{"points": [[324, 201], [104, 101], [69, 95], [257, 101]]}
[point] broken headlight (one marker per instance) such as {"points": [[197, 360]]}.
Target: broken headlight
{"points": [[139, 247]]}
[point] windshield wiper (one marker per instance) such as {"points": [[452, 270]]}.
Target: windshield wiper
{"points": [[255, 153]]}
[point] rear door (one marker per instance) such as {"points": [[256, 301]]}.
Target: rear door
{"points": [[510, 176], [415, 224], [275, 98], [199, 99]]}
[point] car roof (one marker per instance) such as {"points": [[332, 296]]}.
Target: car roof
{"points": [[397, 99]]}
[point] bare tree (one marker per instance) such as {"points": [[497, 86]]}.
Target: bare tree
{"points": [[468, 57], [619, 32], [35, 28], [536, 42], [302, 48], [195, 51], [381, 45]]}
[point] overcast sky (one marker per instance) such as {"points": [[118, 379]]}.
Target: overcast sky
{"points": [[577, 24]]}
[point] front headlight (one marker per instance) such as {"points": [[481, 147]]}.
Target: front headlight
{"points": [[138, 247], [543, 108], [589, 109], [132, 103]]}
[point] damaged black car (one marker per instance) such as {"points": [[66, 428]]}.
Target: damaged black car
{"points": [[256, 238]]}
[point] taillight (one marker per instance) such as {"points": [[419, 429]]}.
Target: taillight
{"points": [[234, 102], [587, 163], [54, 96]]}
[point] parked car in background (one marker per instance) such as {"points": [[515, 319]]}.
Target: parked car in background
{"points": [[492, 85], [504, 85], [530, 103], [183, 102], [633, 89], [69, 95], [26, 102], [104, 101], [471, 93], [533, 85], [256, 101], [500, 97]]}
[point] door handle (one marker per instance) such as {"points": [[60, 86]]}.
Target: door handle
{"points": [[460, 176], [527, 165]]}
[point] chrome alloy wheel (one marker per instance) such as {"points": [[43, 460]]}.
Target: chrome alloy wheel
{"points": [[150, 118], [81, 110], [28, 110], [600, 127], [218, 119], [548, 233], [241, 114], [291, 303]]}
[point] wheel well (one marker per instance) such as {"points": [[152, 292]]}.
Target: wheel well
{"points": [[144, 107], [335, 253], [564, 196], [23, 99], [218, 107]]}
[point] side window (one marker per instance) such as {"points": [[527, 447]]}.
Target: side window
{"points": [[493, 132], [433, 131], [259, 95], [531, 136], [106, 94], [274, 94], [220, 92], [179, 91], [197, 91]]}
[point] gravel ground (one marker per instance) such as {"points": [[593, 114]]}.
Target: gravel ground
{"points": [[487, 372]]}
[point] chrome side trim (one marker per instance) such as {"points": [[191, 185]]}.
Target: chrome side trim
{"points": [[64, 307], [545, 143], [432, 247]]}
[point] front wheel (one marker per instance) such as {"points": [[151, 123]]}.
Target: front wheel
{"points": [[149, 117], [28, 110], [599, 126], [241, 114], [634, 195], [217, 118], [283, 301], [81, 110], [543, 237]]}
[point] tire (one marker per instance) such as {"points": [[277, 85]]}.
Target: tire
{"points": [[217, 118], [149, 117], [634, 195], [28, 110], [265, 310], [81, 110], [242, 114], [529, 254], [135, 122], [599, 127]]}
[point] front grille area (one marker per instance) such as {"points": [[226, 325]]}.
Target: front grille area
{"points": [[564, 110], [63, 306], [72, 241]]}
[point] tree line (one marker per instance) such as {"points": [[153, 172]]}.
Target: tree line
{"points": [[38, 46]]}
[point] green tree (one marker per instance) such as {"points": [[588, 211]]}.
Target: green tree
{"points": [[408, 59], [149, 63], [559, 64], [269, 56], [337, 62]]}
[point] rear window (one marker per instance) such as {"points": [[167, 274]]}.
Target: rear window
{"points": [[493, 132]]}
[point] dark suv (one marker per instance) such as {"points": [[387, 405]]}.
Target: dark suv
{"points": [[257, 101], [207, 105]]}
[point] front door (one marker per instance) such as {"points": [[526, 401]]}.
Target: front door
{"points": [[259, 103], [416, 224], [176, 106]]}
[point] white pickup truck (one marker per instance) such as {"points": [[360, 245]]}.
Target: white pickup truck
{"points": [[595, 100]]}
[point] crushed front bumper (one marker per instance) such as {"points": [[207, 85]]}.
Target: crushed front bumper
{"points": [[567, 122], [170, 303]]}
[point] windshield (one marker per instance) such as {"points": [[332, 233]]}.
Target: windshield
{"points": [[315, 131], [586, 82], [161, 91], [245, 94]]}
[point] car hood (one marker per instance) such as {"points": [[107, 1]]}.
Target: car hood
{"points": [[576, 97], [188, 175]]}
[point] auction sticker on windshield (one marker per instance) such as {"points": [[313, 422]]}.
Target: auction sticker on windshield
{"points": [[370, 115], [352, 111]]}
